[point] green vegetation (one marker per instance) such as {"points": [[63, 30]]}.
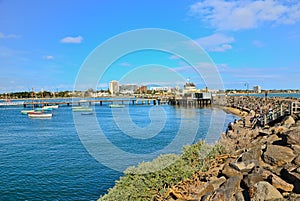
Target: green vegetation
{"points": [[154, 178]]}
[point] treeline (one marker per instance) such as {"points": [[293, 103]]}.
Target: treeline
{"points": [[27, 94]]}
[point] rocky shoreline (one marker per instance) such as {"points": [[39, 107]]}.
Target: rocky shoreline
{"points": [[261, 164]]}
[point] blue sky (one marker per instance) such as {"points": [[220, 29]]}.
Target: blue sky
{"points": [[44, 43]]}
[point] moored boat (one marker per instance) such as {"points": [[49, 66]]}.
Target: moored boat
{"points": [[82, 109], [116, 105], [26, 111], [39, 115], [43, 109], [51, 106]]}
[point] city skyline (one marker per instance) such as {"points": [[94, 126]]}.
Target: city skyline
{"points": [[44, 44]]}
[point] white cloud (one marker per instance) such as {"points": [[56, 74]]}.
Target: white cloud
{"points": [[48, 57], [237, 15], [216, 42], [70, 39], [2, 35]]}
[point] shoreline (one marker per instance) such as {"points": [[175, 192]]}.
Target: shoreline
{"points": [[254, 157], [262, 159]]}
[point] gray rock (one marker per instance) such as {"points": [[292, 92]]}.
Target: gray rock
{"points": [[296, 149], [218, 182], [228, 190], [246, 166], [253, 178], [229, 171], [288, 121], [278, 155], [298, 170], [279, 183], [297, 161], [254, 154], [262, 191], [293, 136], [292, 178], [239, 196]]}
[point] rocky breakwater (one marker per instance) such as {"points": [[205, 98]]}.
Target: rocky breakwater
{"points": [[261, 164]]}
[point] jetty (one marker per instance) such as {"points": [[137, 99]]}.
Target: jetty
{"points": [[136, 101], [269, 110]]}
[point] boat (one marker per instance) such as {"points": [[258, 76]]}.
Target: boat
{"points": [[39, 115], [39, 112], [87, 113], [116, 105], [32, 110], [26, 111], [82, 109], [43, 109], [51, 106]]}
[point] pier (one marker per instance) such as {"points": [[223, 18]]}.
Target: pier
{"points": [[136, 101], [193, 99]]}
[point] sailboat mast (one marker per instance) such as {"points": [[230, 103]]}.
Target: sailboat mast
{"points": [[32, 97]]}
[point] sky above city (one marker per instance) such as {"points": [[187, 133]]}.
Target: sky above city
{"points": [[43, 44]]}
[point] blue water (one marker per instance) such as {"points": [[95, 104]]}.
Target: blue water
{"points": [[45, 159]]}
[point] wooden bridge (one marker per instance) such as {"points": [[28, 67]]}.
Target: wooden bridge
{"points": [[137, 101]]}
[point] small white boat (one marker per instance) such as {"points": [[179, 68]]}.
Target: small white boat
{"points": [[116, 105], [87, 113], [51, 106], [82, 109], [43, 109], [26, 111], [39, 115]]}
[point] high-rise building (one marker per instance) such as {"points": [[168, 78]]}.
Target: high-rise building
{"points": [[114, 87]]}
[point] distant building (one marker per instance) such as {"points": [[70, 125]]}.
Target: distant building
{"points": [[257, 89], [114, 87], [159, 88], [128, 88], [189, 87], [142, 89], [191, 92]]}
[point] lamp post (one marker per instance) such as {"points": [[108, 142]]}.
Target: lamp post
{"points": [[247, 87]]}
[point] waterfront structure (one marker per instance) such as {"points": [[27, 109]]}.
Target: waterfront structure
{"points": [[114, 87], [257, 89], [191, 96]]}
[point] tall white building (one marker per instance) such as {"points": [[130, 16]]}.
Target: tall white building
{"points": [[257, 89], [114, 87]]}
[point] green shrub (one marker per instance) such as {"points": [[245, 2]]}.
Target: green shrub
{"points": [[154, 178]]}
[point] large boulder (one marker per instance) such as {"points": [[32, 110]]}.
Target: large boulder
{"points": [[229, 171], [279, 183], [296, 149], [246, 166], [288, 121], [228, 190], [278, 155], [293, 178], [264, 191], [293, 136]]}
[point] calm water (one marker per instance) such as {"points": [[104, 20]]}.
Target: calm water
{"points": [[45, 159]]}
